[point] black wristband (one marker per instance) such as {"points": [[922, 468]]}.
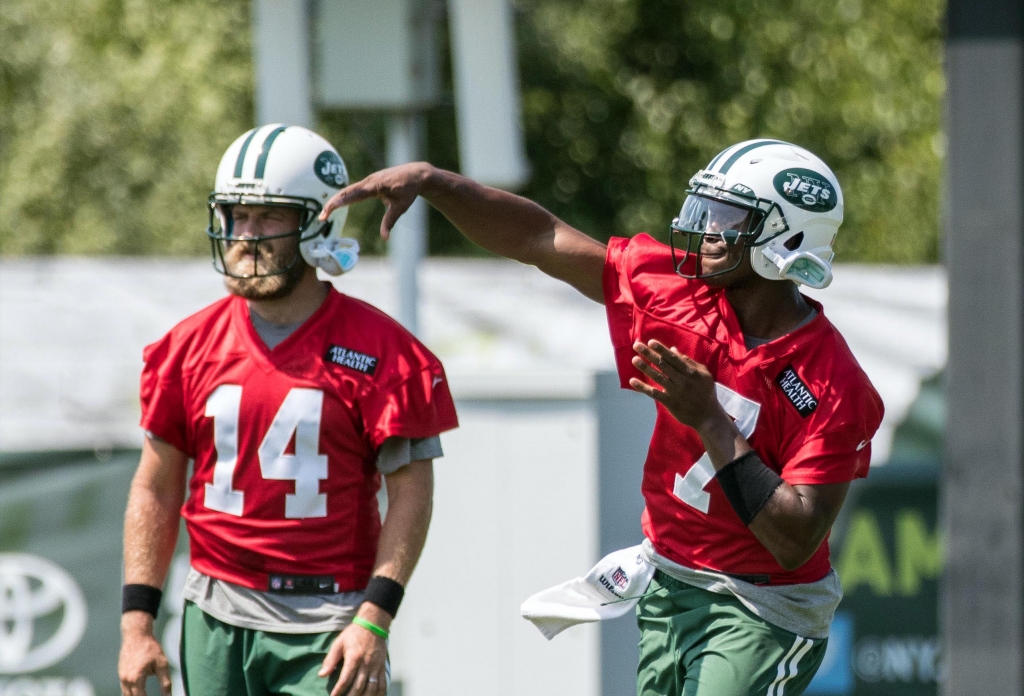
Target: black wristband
{"points": [[385, 593], [141, 598], [748, 484]]}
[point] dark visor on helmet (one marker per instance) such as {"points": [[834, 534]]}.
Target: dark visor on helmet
{"points": [[254, 257], [705, 220]]}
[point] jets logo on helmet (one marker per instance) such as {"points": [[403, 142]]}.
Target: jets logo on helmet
{"points": [[778, 199], [806, 189], [291, 167], [330, 169]]}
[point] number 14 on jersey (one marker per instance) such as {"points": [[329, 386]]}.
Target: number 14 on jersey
{"points": [[300, 415]]}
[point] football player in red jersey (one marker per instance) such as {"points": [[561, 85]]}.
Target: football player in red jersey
{"points": [[764, 415], [293, 400]]}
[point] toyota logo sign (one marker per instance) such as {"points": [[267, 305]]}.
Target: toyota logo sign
{"points": [[32, 589]]}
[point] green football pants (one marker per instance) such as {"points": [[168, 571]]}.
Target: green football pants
{"points": [[218, 659], [698, 643]]}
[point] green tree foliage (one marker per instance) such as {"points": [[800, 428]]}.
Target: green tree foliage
{"points": [[114, 113], [113, 116], [625, 99]]}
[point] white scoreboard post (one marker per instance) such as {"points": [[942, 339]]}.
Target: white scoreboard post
{"points": [[487, 93], [381, 55], [281, 62]]}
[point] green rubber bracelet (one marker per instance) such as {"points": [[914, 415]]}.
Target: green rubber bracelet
{"points": [[371, 627]]}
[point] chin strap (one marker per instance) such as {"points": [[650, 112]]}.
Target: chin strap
{"points": [[801, 267], [335, 256]]}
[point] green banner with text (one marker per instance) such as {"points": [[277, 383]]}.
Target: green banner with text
{"points": [[60, 573], [887, 551]]}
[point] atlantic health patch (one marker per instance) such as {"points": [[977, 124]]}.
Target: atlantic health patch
{"points": [[352, 359], [798, 393]]}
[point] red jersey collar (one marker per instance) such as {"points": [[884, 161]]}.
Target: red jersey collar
{"points": [[264, 356], [774, 349]]}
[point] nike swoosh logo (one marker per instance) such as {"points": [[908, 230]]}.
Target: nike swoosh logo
{"points": [[862, 445], [437, 381]]}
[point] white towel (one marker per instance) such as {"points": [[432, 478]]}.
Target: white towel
{"points": [[609, 590]]}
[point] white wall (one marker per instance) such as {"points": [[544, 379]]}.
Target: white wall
{"points": [[515, 512]]}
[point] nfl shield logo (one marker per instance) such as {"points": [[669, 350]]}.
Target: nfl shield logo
{"points": [[275, 583], [620, 578]]}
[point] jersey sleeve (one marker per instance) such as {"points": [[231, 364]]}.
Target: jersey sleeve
{"points": [[397, 452], [414, 404], [841, 450], [161, 395], [619, 306], [836, 457]]}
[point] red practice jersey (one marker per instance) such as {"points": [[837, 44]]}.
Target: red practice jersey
{"points": [[285, 441], [802, 402]]}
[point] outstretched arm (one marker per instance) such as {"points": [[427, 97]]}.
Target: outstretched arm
{"points": [[150, 533], [501, 222]]}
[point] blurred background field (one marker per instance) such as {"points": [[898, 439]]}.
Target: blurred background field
{"points": [[114, 113], [113, 116]]}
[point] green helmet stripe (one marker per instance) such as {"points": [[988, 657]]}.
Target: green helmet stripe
{"points": [[241, 153], [719, 156], [744, 150], [261, 163]]}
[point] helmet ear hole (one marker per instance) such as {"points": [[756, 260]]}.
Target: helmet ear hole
{"points": [[794, 241], [326, 229]]}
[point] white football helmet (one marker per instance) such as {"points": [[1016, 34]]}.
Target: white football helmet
{"points": [[288, 166], [781, 200]]}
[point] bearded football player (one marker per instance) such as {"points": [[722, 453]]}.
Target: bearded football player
{"points": [[764, 415], [293, 401]]}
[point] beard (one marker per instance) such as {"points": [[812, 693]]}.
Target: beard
{"points": [[274, 282]]}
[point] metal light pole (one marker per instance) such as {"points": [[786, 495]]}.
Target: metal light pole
{"points": [[982, 606], [408, 244]]}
